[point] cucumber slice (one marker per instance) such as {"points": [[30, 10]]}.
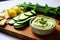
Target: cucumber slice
{"points": [[17, 27], [11, 21], [16, 18], [32, 11], [21, 22], [28, 14], [22, 16], [16, 24]]}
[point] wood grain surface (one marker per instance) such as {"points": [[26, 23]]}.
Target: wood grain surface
{"points": [[27, 34]]}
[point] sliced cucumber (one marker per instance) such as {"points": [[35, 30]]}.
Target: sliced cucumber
{"points": [[22, 17], [17, 27], [11, 21], [16, 18], [21, 22], [20, 26], [32, 11], [28, 14], [16, 24]]}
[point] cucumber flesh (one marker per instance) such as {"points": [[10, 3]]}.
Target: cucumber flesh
{"points": [[21, 22], [11, 21], [16, 18], [16, 24], [28, 14], [17, 27], [22, 16], [32, 11]]}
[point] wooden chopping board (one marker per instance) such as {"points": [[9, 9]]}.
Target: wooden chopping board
{"points": [[27, 34]]}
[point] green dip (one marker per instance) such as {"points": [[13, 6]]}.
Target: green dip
{"points": [[43, 23]]}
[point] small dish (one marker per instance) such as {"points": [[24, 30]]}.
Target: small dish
{"points": [[46, 29]]}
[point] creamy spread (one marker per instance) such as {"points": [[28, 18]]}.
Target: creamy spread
{"points": [[43, 22]]}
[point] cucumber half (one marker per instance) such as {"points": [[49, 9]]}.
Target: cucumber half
{"points": [[21, 22], [32, 11], [28, 14], [11, 22], [18, 26], [22, 16], [16, 18]]}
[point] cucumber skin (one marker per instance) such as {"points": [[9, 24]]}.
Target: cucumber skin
{"points": [[28, 14], [22, 17], [16, 19], [23, 24], [11, 23]]}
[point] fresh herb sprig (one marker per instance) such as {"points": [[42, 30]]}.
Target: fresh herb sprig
{"points": [[42, 21]]}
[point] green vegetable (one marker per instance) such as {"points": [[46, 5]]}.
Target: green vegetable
{"points": [[21, 19], [32, 11], [25, 6], [16, 18], [42, 21], [58, 12], [21, 24], [22, 16], [16, 24], [11, 22], [45, 10], [28, 14]]}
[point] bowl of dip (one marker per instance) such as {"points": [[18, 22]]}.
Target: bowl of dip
{"points": [[42, 25]]}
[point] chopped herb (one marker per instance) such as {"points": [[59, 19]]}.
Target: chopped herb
{"points": [[42, 21]]}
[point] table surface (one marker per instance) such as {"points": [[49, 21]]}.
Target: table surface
{"points": [[6, 37], [9, 4]]}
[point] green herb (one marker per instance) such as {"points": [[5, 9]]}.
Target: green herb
{"points": [[42, 21], [25, 6], [45, 10]]}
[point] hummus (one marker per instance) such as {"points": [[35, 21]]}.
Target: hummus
{"points": [[43, 23]]}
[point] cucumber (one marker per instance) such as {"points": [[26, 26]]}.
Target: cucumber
{"points": [[28, 14], [11, 22], [32, 11], [21, 22], [22, 16], [19, 26], [16, 18], [16, 24]]}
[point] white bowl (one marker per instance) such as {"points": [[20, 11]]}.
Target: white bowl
{"points": [[41, 31]]}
